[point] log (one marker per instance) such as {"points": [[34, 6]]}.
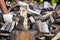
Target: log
{"points": [[42, 38], [4, 26], [55, 25], [57, 36], [8, 27], [4, 34], [42, 26], [52, 19], [23, 13], [32, 19], [47, 16], [12, 26], [51, 35]]}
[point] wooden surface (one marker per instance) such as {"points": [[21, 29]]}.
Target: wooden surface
{"points": [[24, 35]]}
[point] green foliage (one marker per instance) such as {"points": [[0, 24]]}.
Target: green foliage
{"points": [[54, 1], [37, 0], [40, 0]]}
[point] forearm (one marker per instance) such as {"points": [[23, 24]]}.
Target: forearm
{"points": [[3, 7]]}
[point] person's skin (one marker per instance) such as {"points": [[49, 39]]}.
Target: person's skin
{"points": [[3, 7]]}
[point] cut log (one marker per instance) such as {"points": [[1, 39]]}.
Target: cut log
{"points": [[4, 34], [42, 26], [57, 36], [24, 35], [47, 35], [32, 19], [23, 13], [47, 16], [4, 26]]}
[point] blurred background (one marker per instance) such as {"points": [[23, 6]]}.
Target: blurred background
{"points": [[51, 1]]}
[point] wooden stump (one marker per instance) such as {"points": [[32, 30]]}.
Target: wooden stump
{"points": [[24, 35]]}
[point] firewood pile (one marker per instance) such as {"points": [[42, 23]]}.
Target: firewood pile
{"points": [[27, 25]]}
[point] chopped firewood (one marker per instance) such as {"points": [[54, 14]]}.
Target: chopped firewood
{"points": [[23, 13], [57, 36], [46, 34], [4, 34]]}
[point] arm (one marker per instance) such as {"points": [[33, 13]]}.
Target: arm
{"points": [[3, 7]]}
